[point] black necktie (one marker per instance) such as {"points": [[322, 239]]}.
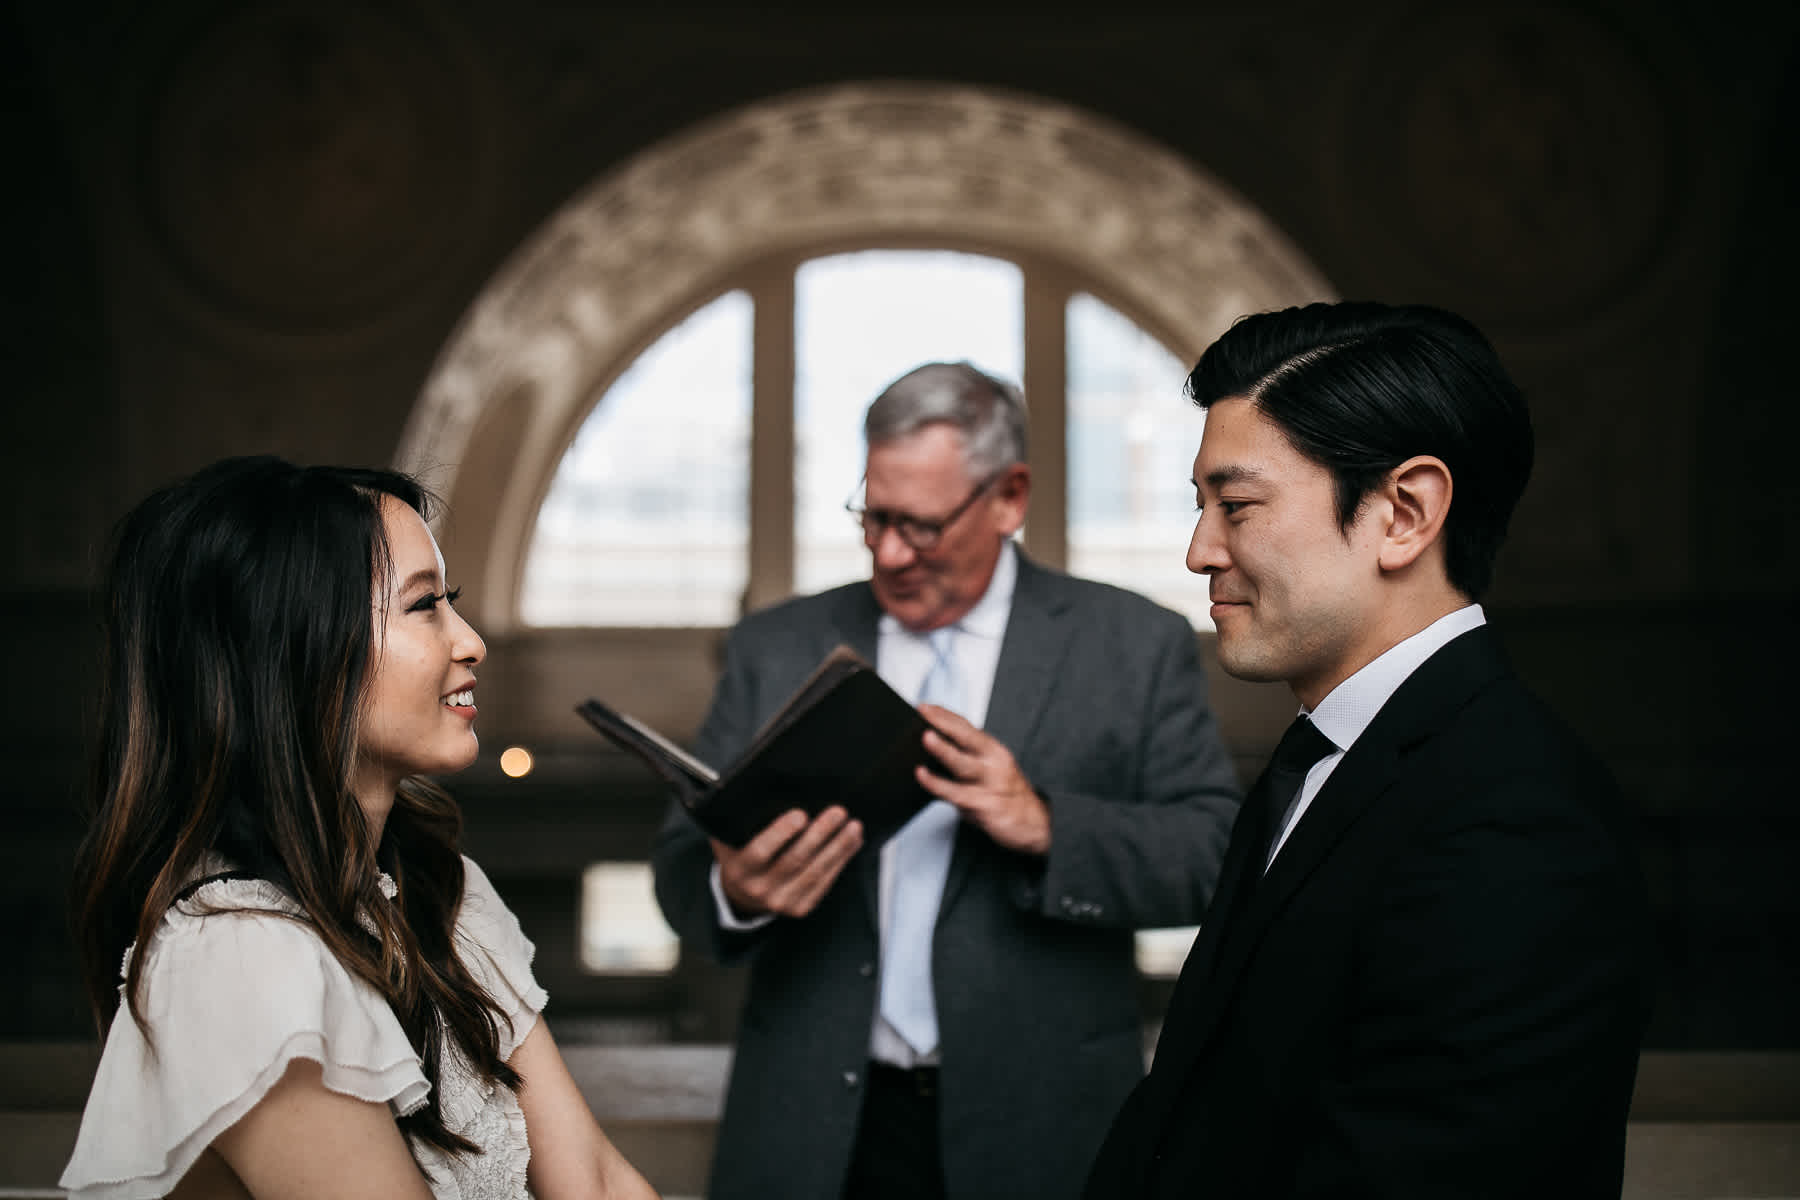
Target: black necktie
{"points": [[1300, 747]]}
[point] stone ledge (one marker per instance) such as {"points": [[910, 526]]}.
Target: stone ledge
{"points": [[1705, 1126]]}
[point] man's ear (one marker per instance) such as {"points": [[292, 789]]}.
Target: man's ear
{"points": [[1418, 492], [1013, 495]]}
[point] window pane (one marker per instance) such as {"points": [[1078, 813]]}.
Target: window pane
{"points": [[647, 519], [622, 929], [860, 321], [1132, 437]]}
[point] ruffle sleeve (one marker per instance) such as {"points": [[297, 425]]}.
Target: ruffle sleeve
{"points": [[231, 1000], [498, 954]]}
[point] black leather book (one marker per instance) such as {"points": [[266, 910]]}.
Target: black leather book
{"points": [[845, 738]]}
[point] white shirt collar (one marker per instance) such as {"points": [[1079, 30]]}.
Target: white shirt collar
{"points": [[1346, 712]]}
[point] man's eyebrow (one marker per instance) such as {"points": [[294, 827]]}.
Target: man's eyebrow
{"points": [[1231, 473]]}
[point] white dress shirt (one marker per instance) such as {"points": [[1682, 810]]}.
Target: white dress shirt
{"points": [[1346, 712], [903, 659]]}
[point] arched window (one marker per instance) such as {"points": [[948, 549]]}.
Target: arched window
{"points": [[860, 321], [646, 521], [1117, 244], [1131, 438], [648, 421]]}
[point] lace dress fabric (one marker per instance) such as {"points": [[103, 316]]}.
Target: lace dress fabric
{"points": [[233, 997]]}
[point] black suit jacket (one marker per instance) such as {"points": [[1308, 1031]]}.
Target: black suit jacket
{"points": [[1438, 988], [1099, 694]]}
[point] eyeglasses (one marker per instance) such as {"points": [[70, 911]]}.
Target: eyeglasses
{"points": [[921, 534]]}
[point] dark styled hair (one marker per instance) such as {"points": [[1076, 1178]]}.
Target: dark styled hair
{"points": [[1360, 387], [240, 634]]}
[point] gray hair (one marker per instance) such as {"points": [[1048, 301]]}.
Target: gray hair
{"points": [[989, 413]]}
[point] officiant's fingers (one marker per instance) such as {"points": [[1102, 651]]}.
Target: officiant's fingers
{"points": [[968, 753], [953, 761], [808, 865], [745, 871], [787, 867], [949, 725], [763, 849], [819, 833], [820, 870]]}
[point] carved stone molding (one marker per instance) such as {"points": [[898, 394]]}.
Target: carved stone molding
{"points": [[862, 164]]}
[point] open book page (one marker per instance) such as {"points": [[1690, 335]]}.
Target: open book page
{"points": [[845, 737], [694, 766], [664, 756]]}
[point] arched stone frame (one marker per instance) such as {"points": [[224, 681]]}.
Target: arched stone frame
{"points": [[1083, 204]]}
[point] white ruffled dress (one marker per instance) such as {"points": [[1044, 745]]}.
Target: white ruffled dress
{"points": [[234, 998]]}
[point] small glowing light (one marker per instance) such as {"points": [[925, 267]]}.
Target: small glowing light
{"points": [[516, 761]]}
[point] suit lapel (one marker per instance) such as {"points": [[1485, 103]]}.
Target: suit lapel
{"points": [[1429, 698], [1237, 878], [1031, 655], [1418, 709], [854, 623]]}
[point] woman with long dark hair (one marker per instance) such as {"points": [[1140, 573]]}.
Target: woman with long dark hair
{"points": [[304, 987]]}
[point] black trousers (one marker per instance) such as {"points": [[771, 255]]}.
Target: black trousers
{"points": [[897, 1154]]}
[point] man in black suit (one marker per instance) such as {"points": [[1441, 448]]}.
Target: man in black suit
{"points": [[1423, 970], [955, 1015]]}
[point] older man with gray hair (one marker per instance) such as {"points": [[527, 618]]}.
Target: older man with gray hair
{"points": [[955, 1014]]}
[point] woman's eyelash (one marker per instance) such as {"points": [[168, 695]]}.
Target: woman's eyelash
{"points": [[431, 600]]}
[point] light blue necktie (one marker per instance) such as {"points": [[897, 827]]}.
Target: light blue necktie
{"points": [[918, 864]]}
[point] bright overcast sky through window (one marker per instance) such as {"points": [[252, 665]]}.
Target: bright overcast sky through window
{"points": [[861, 321], [646, 521]]}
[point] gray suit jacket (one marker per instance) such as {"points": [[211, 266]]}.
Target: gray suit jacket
{"points": [[1099, 694]]}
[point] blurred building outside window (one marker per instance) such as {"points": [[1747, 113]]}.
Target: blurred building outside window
{"points": [[645, 522], [622, 929]]}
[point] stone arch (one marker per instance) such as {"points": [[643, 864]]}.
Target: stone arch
{"points": [[859, 164]]}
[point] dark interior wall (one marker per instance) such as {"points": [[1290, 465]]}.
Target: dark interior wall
{"points": [[240, 227]]}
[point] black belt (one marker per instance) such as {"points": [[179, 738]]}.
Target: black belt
{"points": [[916, 1081]]}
